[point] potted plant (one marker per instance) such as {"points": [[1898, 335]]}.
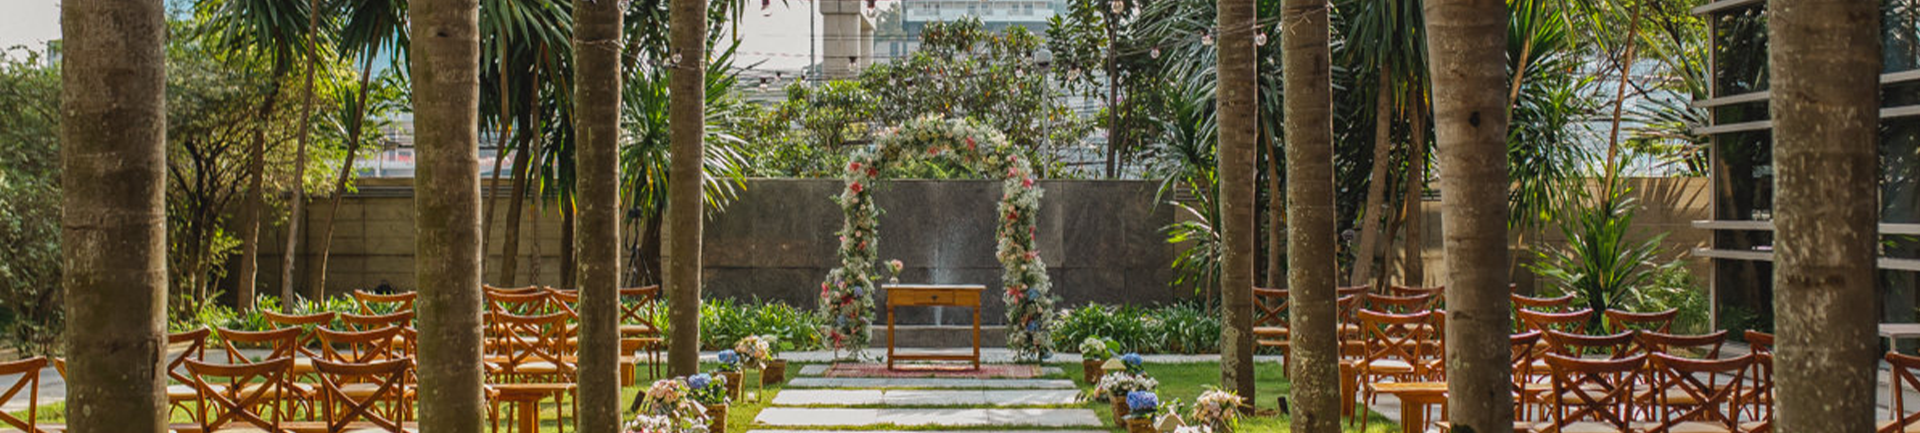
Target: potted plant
{"points": [[1114, 388], [1095, 351], [730, 369], [1216, 409], [667, 408], [711, 391], [757, 352], [1141, 408]]}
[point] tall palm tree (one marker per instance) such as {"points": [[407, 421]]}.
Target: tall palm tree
{"points": [[273, 31], [297, 204], [527, 42], [370, 26], [597, 93], [114, 228], [687, 25], [1467, 46], [1306, 59], [1237, 92], [1825, 59], [446, 63]]}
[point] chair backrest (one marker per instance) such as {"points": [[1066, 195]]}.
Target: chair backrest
{"points": [[532, 339], [563, 301], [343, 409], [1572, 322], [305, 322], [512, 290], [1399, 337], [1398, 304], [1760, 342], [1704, 346], [1351, 290], [1270, 307], [1550, 305], [1658, 321], [1906, 376], [377, 303], [1699, 390], [28, 383], [236, 393], [360, 347], [1522, 354], [282, 343], [1758, 401], [196, 341], [1614, 346], [358, 322], [1436, 296], [527, 304], [636, 311], [1594, 390]]}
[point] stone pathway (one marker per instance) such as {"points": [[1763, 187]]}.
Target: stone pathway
{"points": [[1015, 405]]}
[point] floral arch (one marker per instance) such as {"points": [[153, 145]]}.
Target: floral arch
{"points": [[846, 297]]}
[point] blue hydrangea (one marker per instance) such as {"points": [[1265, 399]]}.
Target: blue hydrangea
{"points": [[1132, 360], [859, 291], [1033, 326], [728, 357], [1142, 401], [699, 381]]}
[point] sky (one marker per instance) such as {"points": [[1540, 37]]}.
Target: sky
{"points": [[777, 35]]}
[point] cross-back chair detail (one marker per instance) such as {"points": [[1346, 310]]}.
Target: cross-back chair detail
{"points": [[244, 391], [353, 392], [28, 383], [360, 347], [1703, 346], [1698, 395], [369, 322], [1658, 321], [1398, 304], [1906, 376], [1547, 305], [532, 303], [1614, 346], [1270, 320], [1592, 395], [384, 303], [1572, 322], [1398, 346], [281, 343], [531, 347]]}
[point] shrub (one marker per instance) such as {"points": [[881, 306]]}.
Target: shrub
{"points": [[725, 321], [1187, 327]]}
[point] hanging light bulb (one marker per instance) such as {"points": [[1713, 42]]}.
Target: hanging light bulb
{"points": [[1155, 53], [1119, 6], [1260, 39], [1206, 38]]}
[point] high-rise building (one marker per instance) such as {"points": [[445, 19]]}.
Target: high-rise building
{"points": [[997, 15]]}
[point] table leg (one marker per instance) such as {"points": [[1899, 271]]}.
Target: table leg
{"points": [[1412, 416], [890, 337], [529, 416], [976, 335]]}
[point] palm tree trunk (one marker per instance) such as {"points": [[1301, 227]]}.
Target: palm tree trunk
{"points": [[569, 262], [1370, 215], [1415, 269], [510, 238], [346, 171], [1467, 45], [686, 118], [502, 130], [596, 33], [446, 89], [1825, 60], [252, 205], [1276, 217], [289, 256], [1237, 91], [1311, 271], [114, 228]]}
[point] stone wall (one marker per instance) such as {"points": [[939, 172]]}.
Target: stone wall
{"points": [[1102, 240]]}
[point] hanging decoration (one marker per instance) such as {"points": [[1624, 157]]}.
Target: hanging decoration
{"points": [[846, 297]]}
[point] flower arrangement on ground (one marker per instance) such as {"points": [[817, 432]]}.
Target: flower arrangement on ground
{"points": [[729, 360], [1119, 384], [1095, 351], [1216, 408], [1134, 363], [667, 408], [754, 351], [729, 368], [1142, 406], [846, 297]]}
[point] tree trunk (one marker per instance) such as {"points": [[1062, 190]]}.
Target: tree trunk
{"points": [[1367, 253], [114, 227], [501, 130], [1310, 214], [446, 89], [1238, 88], [1825, 60], [346, 172], [1415, 268], [250, 207], [297, 205], [596, 111], [569, 262], [1467, 45], [687, 125], [1276, 217], [533, 251], [510, 238]]}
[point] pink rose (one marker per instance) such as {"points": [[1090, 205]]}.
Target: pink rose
{"points": [[855, 187], [1028, 182]]}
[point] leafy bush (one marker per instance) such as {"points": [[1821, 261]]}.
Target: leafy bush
{"points": [[1672, 286], [724, 321], [1188, 327]]}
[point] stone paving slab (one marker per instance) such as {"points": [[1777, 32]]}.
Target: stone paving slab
{"points": [[808, 417], [914, 397], [874, 382]]}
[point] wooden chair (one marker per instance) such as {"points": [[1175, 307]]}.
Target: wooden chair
{"points": [[369, 322], [1659, 321], [1614, 346], [532, 303], [302, 346], [378, 304], [1592, 395], [361, 347], [28, 372], [1526, 383], [1546, 305], [352, 393], [1572, 322], [1436, 295], [533, 348], [243, 391], [178, 395], [1398, 347], [1704, 346], [636, 322], [1270, 322], [1696, 395], [1398, 304], [281, 343], [1905, 368], [1758, 341], [1757, 402]]}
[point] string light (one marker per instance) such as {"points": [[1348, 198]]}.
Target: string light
{"points": [[1155, 53], [1260, 39]]}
